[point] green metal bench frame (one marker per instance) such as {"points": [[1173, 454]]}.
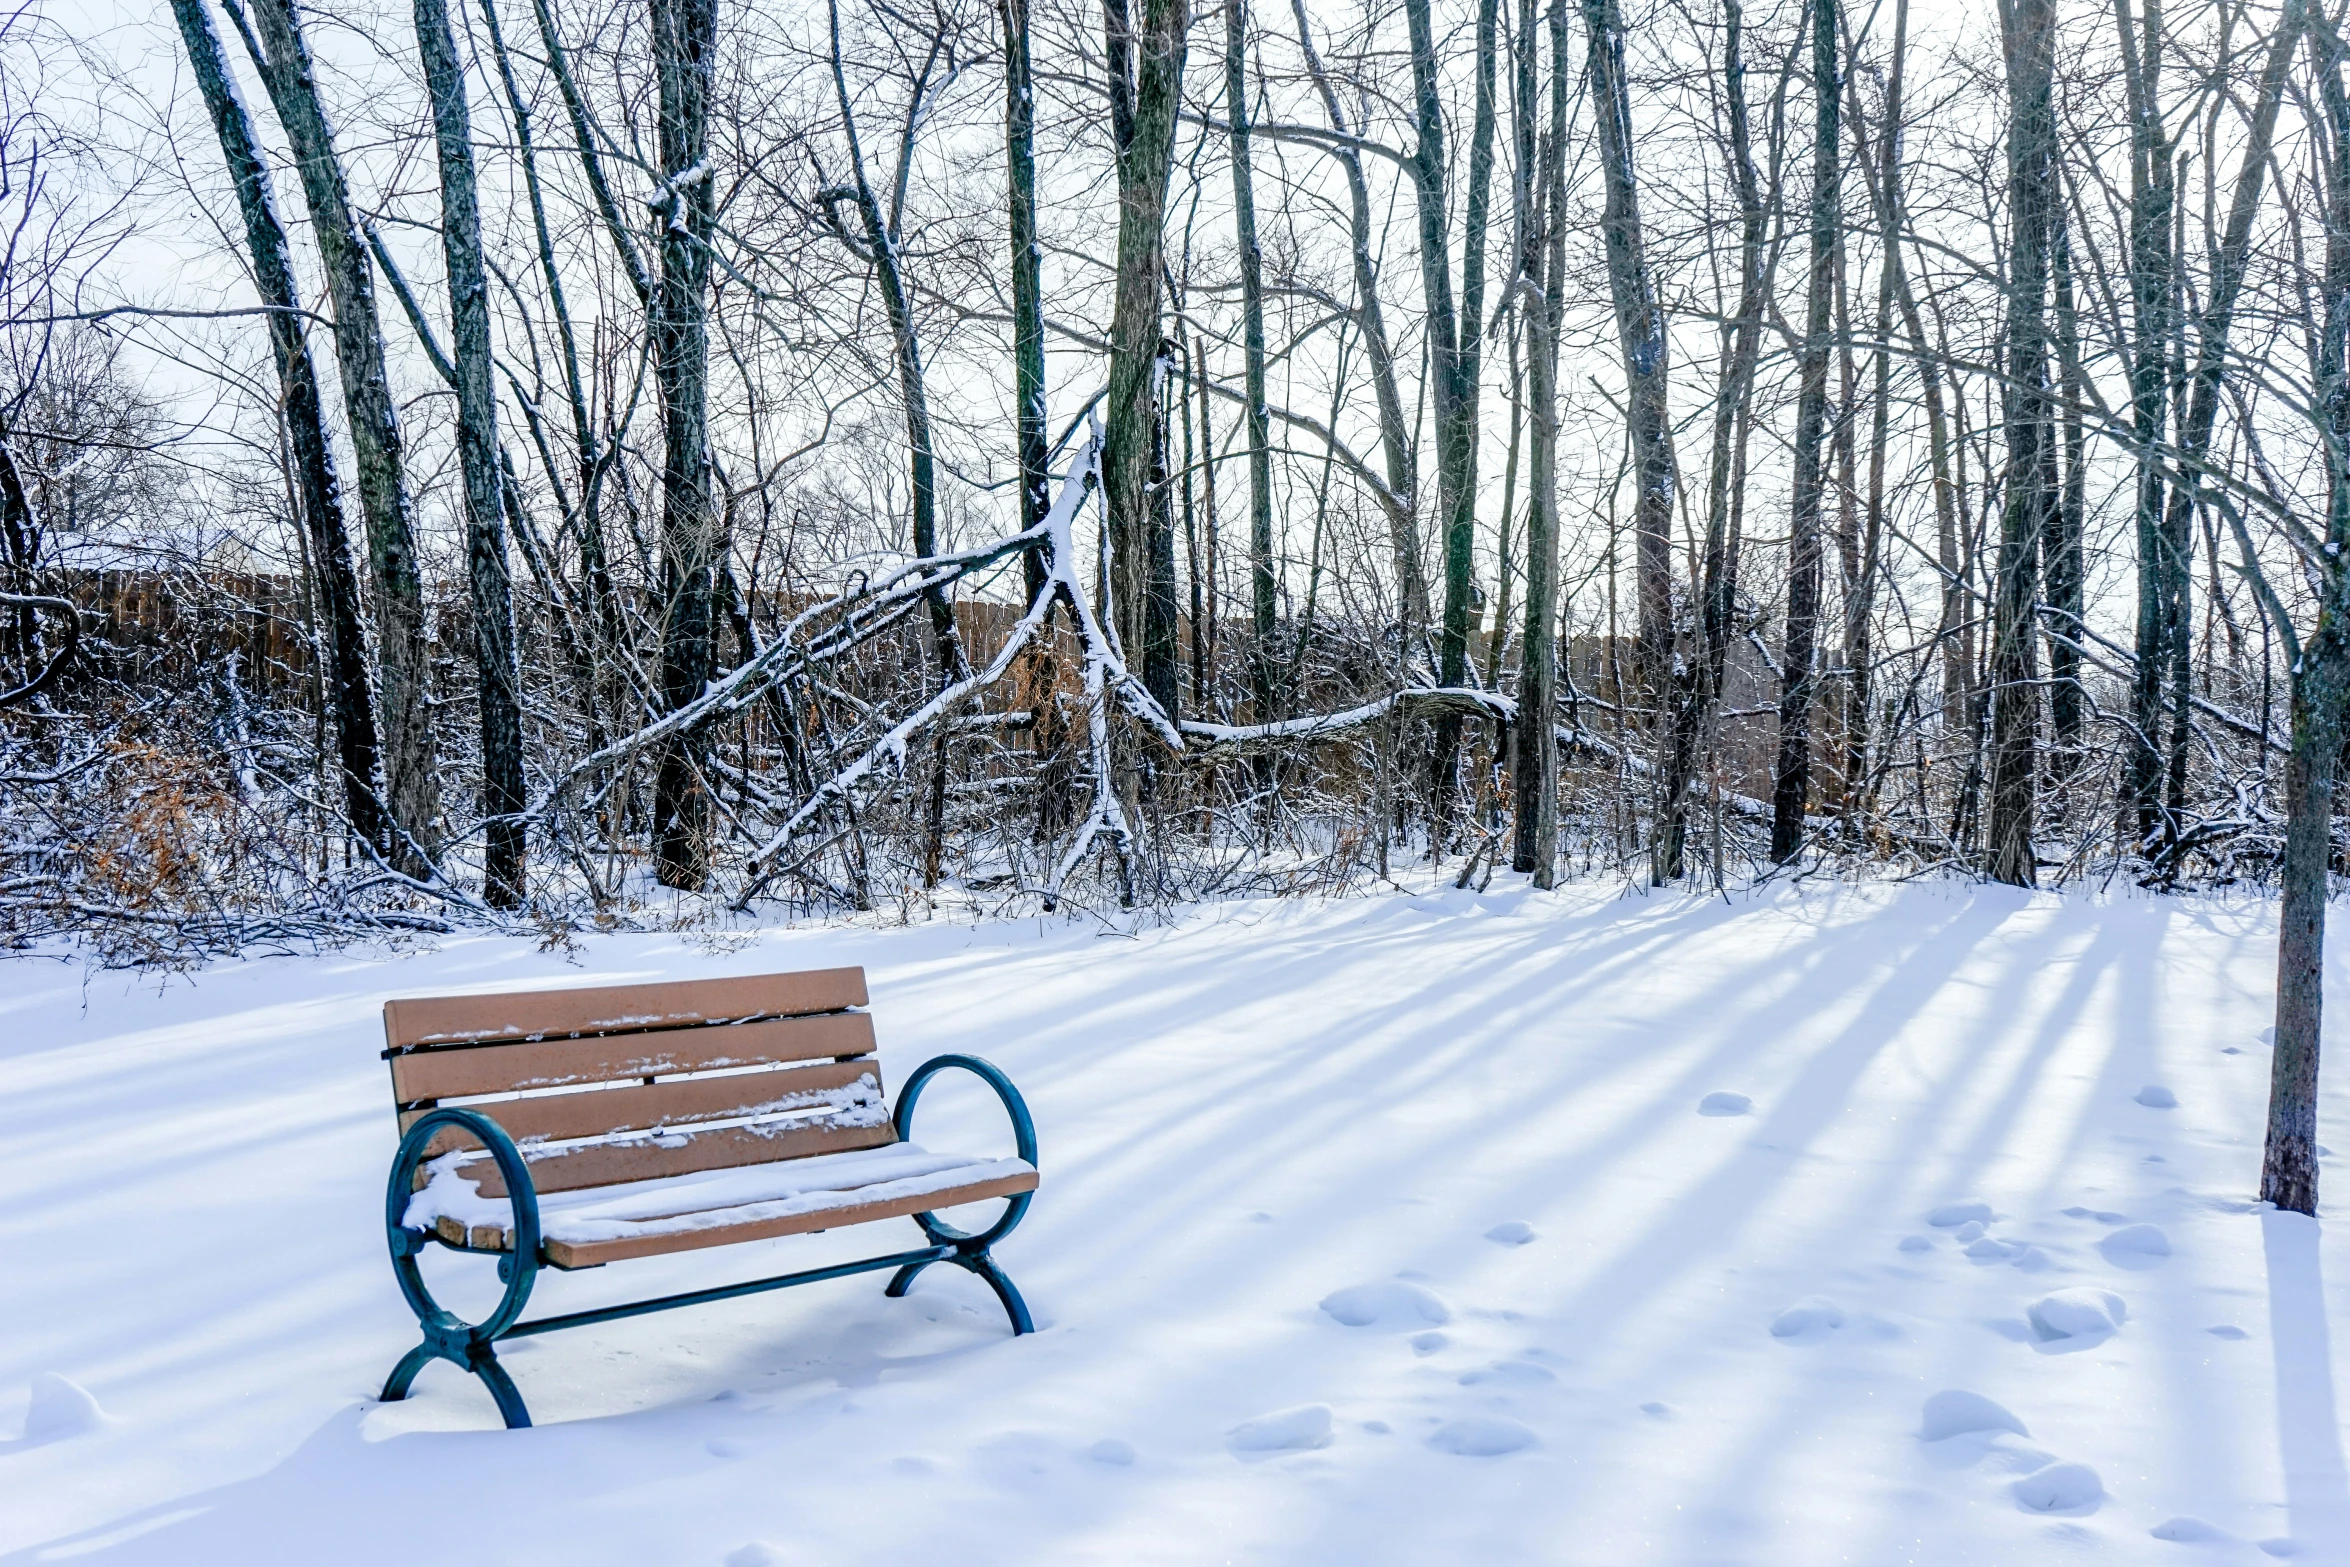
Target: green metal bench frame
{"points": [[472, 1345]]}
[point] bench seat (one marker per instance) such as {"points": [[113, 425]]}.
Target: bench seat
{"points": [[587, 1228]]}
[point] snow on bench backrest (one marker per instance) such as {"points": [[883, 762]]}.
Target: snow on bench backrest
{"points": [[665, 1078]]}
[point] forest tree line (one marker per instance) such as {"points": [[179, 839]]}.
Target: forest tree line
{"points": [[864, 454]]}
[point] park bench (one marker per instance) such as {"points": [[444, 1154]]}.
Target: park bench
{"points": [[575, 1128]]}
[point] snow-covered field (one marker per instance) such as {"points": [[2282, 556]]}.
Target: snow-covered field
{"points": [[1822, 1227]]}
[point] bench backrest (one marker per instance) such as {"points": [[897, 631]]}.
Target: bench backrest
{"points": [[630, 1082]]}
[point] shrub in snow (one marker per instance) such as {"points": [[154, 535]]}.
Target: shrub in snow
{"points": [[1481, 1436], [1284, 1430], [1724, 1104], [2078, 1313], [1392, 1303], [2060, 1488], [1956, 1412]]}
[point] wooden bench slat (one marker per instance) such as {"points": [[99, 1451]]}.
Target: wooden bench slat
{"points": [[589, 1254], [612, 1009], [611, 1164], [682, 1103], [424, 1075]]}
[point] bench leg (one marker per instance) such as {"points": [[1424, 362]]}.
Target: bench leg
{"points": [[903, 1280], [477, 1357], [981, 1263]]}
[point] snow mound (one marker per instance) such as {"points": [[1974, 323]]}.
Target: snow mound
{"points": [[1724, 1104], [1917, 1243], [2059, 1488], [2227, 1330], [1516, 1232], [2187, 1530], [1113, 1451], [60, 1409], [2156, 1097], [1953, 1214], [1986, 1249], [2282, 1546], [1481, 1436], [1956, 1411], [1428, 1343], [1284, 1431], [758, 1553], [1391, 1303], [2078, 1313], [2135, 1246], [1810, 1319]]}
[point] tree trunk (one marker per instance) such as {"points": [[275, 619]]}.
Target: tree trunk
{"points": [[411, 774], [1640, 334], [317, 493], [499, 681], [1130, 451], [2066, 565], [1264, 603], [684, 42], [1791, 791], [1536, 846], [2026, 497]]}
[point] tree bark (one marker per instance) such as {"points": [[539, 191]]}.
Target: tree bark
{"points": [[1130, 452], [1264, 602], [1535, 848], [411, 772], [684, 39], [499, 682], [2026, 493], [317, 492], [1791, 790]]}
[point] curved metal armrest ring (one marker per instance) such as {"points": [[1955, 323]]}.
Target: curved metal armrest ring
{"points": [[444, 1332], [1023, 1136]]}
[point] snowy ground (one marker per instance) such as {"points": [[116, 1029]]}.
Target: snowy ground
{"points": [[1410, 1230]]}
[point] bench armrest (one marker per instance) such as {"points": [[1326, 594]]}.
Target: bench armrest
{"points": [[1023, 1128], [521, 1263]]}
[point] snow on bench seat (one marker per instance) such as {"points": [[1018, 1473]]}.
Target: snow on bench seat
{"points": [[583, 1228]]}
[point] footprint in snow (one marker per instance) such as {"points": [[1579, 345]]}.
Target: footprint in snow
{"points": [[2071, 1489], [2283, 1546], [2077, 1318], [758, 1553], [2187, 1530], [1114, 1451], [1808, 1321], [1481, 1436], [2135, 1246], [2156, 1097], [1391, 1303], [1950, 1215], [1428, 1343], [1515, 1232], [1284, 1431], [1915, 1243], [2227, 1330], [1957, 1412], [1509, 1373], [1724, 1104]]}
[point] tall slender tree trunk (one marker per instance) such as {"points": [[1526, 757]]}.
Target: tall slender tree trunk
{"points": [[2067, 565], [1791, 791], [1029, 416], [499, 683], [685, 41], [2026, 496], [411, 773], [1145, 136], [317, 492], [2161, 793], [1454, 343], [1264, 601], [2321, 688], [1536, 845], [2153, 189], [1640, 334]]}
